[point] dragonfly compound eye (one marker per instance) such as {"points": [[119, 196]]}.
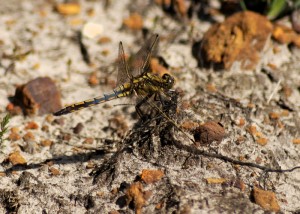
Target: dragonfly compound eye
{"points": [[169, 80]]}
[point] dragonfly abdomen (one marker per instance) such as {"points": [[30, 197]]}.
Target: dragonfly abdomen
{"points": [[119, 92]]}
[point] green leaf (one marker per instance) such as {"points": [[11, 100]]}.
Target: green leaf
{"points": [[276, 7]]}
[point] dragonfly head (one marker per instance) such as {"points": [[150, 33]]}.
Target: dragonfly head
{"points": [[169, 81]]}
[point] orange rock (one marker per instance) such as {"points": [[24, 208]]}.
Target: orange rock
{"points": [[104, 40], [28, 137], [46, 143], [211, 87], [14, 136], [181, 7], [134, 21], [258, 134], [296, 141], [159, 205], [134, 194], [68, 8], [252, 129], [16, 158], [262, 141], [10, 107], [284, 113], [13, 109], [88, 140], [157, 68], [266, 199], [93, 79], [32, 125], [189, 125], [286, 35], [274, 115], [151, 176], [215, 180], [233, 40], [54, 171], [242, 122]]}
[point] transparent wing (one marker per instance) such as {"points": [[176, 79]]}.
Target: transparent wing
{"points": [[140, 62], [123, 72]]}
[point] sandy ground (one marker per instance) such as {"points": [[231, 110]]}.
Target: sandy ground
{"points": [[58, 179]]}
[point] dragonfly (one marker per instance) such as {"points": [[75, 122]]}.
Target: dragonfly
{"points": [[133, 78]]}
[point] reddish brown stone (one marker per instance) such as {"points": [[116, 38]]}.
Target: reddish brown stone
{"points": [[286, 35], [66, 137], [16, 158], [262, 141], [134, 194], [32, 125], [45, 128], [54, 171], [266, 199], [104, 40], [59, 121], [241, 37], [46, 143], [151, 176], [28, 137], [68, 9], [88, 140], [13, 109], [78, 128], [39, 96], [215, 180], [93, 79], [14, 136], [209, 132], [157, 68], [134, 21]]}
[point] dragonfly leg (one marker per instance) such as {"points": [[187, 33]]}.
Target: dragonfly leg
{"points": [[140, 103]]}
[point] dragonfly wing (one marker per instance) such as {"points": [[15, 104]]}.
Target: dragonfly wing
{"points": [[123, 72], [140, 62]]}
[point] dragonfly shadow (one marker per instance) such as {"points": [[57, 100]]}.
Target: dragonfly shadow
{"points": [[142, 139], [61, 160]]}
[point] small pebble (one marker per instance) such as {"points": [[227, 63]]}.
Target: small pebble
{"points": [[78, 128]]}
